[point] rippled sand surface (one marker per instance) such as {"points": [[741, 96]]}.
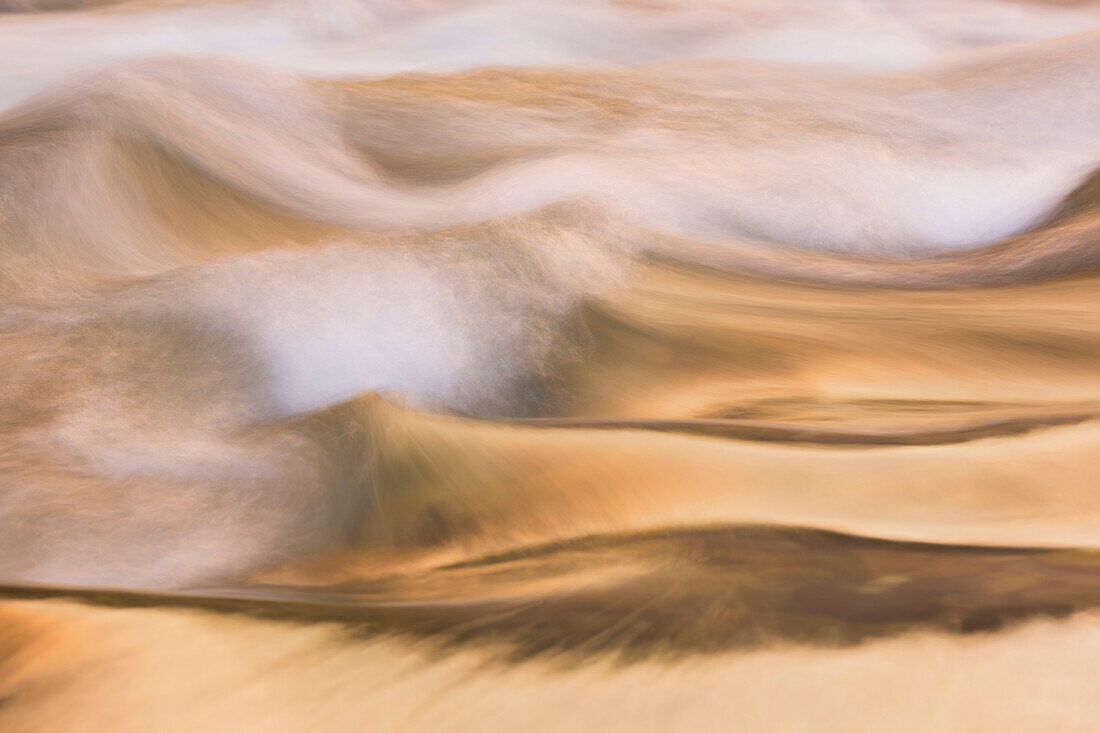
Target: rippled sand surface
{"points": [[582, 365]]}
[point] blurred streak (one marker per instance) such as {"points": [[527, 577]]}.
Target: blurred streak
{"points": [[626, 364], [76, 661]]}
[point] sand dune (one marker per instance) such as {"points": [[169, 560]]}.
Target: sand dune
{"points": [[635, 365]]}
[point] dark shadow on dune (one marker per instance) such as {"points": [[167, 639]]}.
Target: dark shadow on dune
{"points": [[677, 592]]}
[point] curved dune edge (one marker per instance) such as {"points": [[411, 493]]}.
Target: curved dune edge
{"points": [[166, 163], [1065, 245]]}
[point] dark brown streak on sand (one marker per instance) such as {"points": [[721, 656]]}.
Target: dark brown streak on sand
{"points": [[780, 433], [672, 593]]}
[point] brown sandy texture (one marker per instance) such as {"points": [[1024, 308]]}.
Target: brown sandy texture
{"points": [[672, 593], [71, 668]]}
